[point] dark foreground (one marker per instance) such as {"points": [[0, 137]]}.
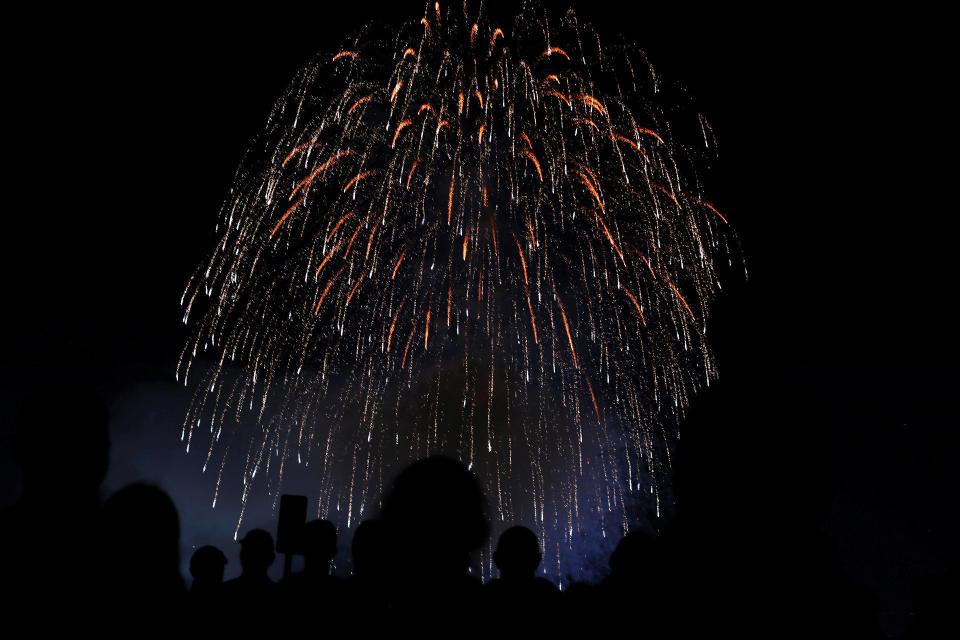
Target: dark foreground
{"points": [[113, 567]]}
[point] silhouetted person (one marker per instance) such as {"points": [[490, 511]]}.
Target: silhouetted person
{"points": [[367, 589], [62, 446], [435, 516], [140, 538], [206, 566], [641, 586], [518, 598], [205, 600], [369, 550], [249, 600], [314, 593]]}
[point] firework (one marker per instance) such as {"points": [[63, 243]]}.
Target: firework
{"points": [[458, 237]]}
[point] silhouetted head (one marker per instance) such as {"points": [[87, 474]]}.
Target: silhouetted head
{"points": [[206, 566], [140, 532], [632, 554], [369, 548], [62, 440], [436, 514], [319, 544], [256, 552], [518, 553]]}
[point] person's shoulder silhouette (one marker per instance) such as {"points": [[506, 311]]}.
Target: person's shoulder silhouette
{"points": [[435, 517], [519, 598], [249, 599], [256, 556], [206, 566], [140, 542], [319, 538], [61, 445], [366, 591]]}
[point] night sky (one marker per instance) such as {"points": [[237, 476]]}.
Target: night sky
{"points": [[123, 131]]}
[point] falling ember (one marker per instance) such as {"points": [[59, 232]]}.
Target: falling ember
{"points": [[560, 372], [536, 162], [634, 301], [566, 326], [285, 216], [554, 51]]}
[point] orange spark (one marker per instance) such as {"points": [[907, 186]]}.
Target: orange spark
{"points": [[480, 135], [533, 321], [400, 127], [346, 54], [453, 177], [397, 266], [394, 323], [409, 52], [286, 215], [649, 131], [558, 95], [360, 102], [327, 258], [337, 226], [354, 290], [549, 51], [479, 97], [586, 121], [533, 241], [523, 261], [593, 102], [426, 106], [372, 232], [630, 142], [353, 237], [709, 206], [496, 33], [592, 397], [473, 34], [327, 289], [536, 163], [412, 169], [403, 363], [359, 176], [295, 151], [609, 237], [333, 159], [669, 195], [647, 262], [566, 326], [677, 291], [589, 185], [426, 337], [633, 300]]}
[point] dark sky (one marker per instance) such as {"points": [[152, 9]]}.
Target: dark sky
{"points": [[123, 132]]}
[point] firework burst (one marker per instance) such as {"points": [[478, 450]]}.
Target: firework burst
{"points": [[461, 238]]}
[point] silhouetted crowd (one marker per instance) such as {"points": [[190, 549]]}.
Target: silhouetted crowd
{"points": [[73, 563]]}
